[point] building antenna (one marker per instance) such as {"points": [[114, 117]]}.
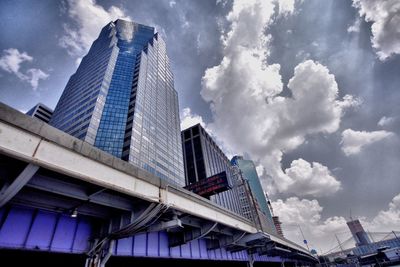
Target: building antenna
{"points": [[351, 218]]}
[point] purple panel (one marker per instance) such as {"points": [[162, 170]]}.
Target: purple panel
{"points": [[211, 254], [203, 249], [124, 246], [195, 246], [164, 246], [16, 227], [185, 251], [64, 235], [82, 236], [218, 254], [140, 245], [223, 254], [228, 254], [42, 230], [175, 252], [235, 255], [152, 244]]}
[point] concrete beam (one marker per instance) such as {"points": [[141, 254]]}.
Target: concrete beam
{"points": [[32, 141], [11, 190]]}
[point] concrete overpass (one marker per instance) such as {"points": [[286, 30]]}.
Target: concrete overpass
{"points": [[60, 194]]}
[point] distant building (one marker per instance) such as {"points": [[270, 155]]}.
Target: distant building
{"points": [[203, 159], [278, 225], [41, 112], [255, 191], [358, 232]]}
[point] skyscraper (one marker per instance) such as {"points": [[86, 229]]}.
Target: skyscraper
{"points": [[122, 100], [41, 112], [358, 232], [258, 202], [203, 158]]}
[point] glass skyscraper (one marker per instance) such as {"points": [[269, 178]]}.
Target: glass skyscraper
{"points": [[249, 174], [122, 100]]}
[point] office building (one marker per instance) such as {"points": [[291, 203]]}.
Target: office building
{"points": [[278, 225], [41, 112], [122, 100], [203, 159], [258, 202], [358, 232]]}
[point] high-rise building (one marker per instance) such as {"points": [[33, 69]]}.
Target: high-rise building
{"points": [[122, 100], [358, 232], [41, 112], [278, 225], [202, 159], [258, 202]]}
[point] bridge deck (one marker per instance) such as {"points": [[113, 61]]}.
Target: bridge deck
{"points": [[38, 144]]}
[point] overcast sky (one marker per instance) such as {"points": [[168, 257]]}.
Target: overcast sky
{"points": [[309, 90]]}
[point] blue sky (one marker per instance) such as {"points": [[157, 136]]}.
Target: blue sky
{"points": [[308, 89]]}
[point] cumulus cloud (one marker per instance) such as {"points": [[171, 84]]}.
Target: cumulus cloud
{"points": [[309, 178], [285, 7], [386, 121], [11, 62], [251, 116], [188, 119], [295, 213], [354, 141], [385, 18], [87, 20], [304, 214], [34, 75], [172, 3], [355, 27], [387, 220], [12, 59]]}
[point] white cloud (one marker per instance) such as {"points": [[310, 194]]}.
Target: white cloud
{"points": [[354, 141], [88, 19], [12, 59], [188, 119], [172, 3], [243, 92], [386, 121], [285, 7], [355, 27], [294, 212], [387, 220], [11, 62], [311, 179], [385, 18], [34, 75]]}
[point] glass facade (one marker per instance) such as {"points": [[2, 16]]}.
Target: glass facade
{"points": [[202, 159], [249, 174], [122, 100]]}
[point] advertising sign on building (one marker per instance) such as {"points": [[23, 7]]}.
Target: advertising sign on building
{"points": [[211, 185]]}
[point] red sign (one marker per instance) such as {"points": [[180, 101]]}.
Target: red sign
{"points": [[211, 185]]}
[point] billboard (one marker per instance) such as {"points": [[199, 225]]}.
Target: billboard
{"points": [[210, 186]]}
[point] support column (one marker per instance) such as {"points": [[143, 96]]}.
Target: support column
{"points": [[8, 192]]}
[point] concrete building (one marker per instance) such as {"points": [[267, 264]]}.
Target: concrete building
{"points": [[203, 159], [41, 112], [122, 100]]}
